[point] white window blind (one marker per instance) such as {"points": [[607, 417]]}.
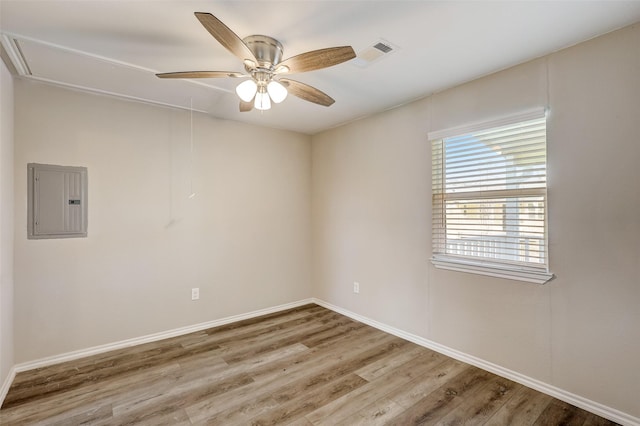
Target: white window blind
{"points": [[490, 200]]}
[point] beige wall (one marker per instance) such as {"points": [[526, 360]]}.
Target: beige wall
{"points": [[244, 239], [6, 222], [371, 224]]}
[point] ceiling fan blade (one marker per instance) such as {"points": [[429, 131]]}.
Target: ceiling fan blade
{"points": [[306, 92], [201, 74], [225, 36], [316, 59], [246, 106]]}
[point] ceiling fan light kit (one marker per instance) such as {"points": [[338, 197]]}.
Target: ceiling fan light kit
{"points": [[247, 90], [262, 59], [277, 91], [262, 101]]}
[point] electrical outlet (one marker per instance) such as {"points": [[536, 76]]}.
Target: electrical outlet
{"points": [[195, 293], [356, 287]]}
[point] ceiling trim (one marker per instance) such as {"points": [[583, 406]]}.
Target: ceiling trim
{"points": [[7, 60], [11, 40], [12, 49]]}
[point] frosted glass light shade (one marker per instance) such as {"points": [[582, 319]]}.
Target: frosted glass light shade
{"points": [[277, 91], [247, 90], [262, 101]]}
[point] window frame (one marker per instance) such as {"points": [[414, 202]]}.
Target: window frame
{"points": [[478, 265]]}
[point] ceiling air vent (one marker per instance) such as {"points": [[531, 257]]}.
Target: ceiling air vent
{"points": [[374, 53], [384, 48]]}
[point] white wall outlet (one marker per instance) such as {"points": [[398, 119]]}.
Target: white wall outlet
{"points": [[356, 287], [195, 293]]}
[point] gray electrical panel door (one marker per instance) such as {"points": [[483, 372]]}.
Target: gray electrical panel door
{"points": [[57, 203]]}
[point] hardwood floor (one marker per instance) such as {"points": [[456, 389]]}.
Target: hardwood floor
{"points": [[303, 366]]}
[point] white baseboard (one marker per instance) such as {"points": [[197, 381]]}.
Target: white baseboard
{"points": [[577, 400], [69, 356], [571, 398], [7, 384]]}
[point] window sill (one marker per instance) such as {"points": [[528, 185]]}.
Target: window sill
{"points": [[492, 270]]}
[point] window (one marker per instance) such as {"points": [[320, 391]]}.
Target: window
{"points": [[490, 198]]}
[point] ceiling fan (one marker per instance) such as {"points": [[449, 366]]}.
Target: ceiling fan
{"points": [[262, 58]]}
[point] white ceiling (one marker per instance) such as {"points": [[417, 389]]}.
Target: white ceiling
{"points": [[116, 46]]}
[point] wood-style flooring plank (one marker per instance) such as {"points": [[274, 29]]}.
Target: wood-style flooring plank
{"points": [[477, 408], [302, 366], [320, 356], [84, 398], [101, 415], [561, 413], [379, 368], [422, 386], [278, 386], [377, 388], [595, 420], [302, 403], [379, 412], [437, 404], [523, 408]]}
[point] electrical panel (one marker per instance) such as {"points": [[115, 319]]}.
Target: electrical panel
{"points": [[57, 201]]}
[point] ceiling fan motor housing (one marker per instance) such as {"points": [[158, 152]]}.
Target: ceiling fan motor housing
{"points": [[267, 50]]}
